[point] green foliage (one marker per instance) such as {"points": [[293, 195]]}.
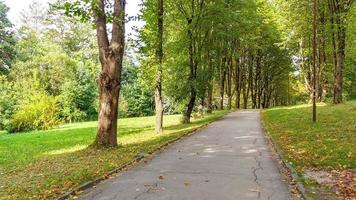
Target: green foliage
{"points": [[8, 102], [350, 58], [56, 58], [7, 40], [38, 114], [78, 97], [136, 97]]}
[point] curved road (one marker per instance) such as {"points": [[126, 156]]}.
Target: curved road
{"points": [[229, 159]]}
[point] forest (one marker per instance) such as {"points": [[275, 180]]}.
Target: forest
{"points": [[74, 61]]}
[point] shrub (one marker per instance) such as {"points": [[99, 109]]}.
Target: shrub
{"points": [[39, 114], [8, 101]]}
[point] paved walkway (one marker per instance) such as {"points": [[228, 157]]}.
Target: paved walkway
{"points": [[230, 159]]}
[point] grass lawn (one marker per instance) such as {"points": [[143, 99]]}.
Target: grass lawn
{"points": [[45, 164], [328, 145]]}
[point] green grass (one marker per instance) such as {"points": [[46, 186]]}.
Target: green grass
{"points": [[328, 144], [45, 164]]}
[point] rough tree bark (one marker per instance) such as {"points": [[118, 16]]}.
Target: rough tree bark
{"points": [[159, 54], [110, 55]]}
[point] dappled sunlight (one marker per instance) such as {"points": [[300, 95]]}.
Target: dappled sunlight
{"points": [[243, 137], [173, 125], [251, 151], [298, 106], [66, 150], [138, 138], [218, 149], [210, 150], [80, 125]]}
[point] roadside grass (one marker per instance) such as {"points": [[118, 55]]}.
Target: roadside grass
{"points": [[46, 164], [328, 144]]}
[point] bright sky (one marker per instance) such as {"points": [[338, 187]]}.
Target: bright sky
{"points": [[16, 6]]}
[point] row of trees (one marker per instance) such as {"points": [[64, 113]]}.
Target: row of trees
{"points": [[194, 54], [212, 56], [335, 45]]}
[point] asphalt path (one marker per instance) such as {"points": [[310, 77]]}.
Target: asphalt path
{"points": [[229, 159]]}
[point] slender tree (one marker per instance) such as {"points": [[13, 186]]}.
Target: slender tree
{"points": [[159, 54], [314, 56]]}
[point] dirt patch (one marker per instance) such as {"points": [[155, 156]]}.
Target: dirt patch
{"points": [[343, 183]]}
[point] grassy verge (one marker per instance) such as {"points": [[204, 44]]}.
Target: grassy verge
{"points": [[45, 164], [328, 145]]}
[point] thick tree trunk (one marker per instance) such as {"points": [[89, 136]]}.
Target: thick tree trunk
{"points": [[110, 55], [159, 54]]}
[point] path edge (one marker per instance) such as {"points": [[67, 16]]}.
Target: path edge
{"points": [[149, 156], [294, 175]]}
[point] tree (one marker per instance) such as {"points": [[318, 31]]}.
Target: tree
{"points": [[159, 54], [102, 12], [110, 55], [7, 40], [339, 10], [314, 56]]}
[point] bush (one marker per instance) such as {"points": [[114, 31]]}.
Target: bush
{"points": [[78, 97], [39, 114], [8, 101]]}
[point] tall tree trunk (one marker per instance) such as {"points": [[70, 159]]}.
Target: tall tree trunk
{"points": [[210, 86], [244, 82], [250, 78], [339, 9], [314, 56], [159, 54], [257, 80], [237, 83], [322, 58], [229, 84], [110, 55], [192, 75], [210, 100], [222, 84], [338, 84]]}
